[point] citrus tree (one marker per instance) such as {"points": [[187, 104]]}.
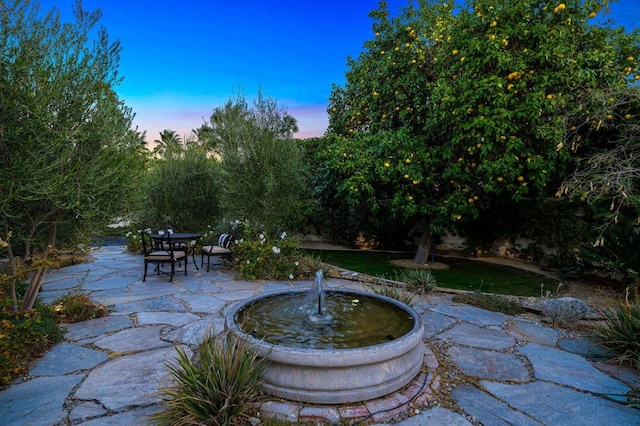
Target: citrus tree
{"points": [[452, 108]]}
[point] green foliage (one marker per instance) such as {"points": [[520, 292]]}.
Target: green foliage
{"points": [[621, 332], [214, 388], [182, 191], [263, 176], [490, 302], [74, 308], [25, 336], [259, 254], [393, 292], [445, 113], [417, 280], [70, 162], [617, 253]]}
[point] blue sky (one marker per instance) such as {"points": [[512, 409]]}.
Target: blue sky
{"points": [[182, 58]]}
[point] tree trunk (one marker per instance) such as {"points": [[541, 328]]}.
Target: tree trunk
{"points": [[36, 279], [424, 248]]}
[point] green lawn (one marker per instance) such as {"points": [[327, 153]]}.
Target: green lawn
{"points": [[462, 274]]}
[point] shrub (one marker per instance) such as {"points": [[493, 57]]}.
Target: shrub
{"points": [[214, 389], [25, 336], [621, 332], [259, 254], [134, 241], [77, 307], [419, 281]]}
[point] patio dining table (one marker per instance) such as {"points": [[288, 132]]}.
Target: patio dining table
{"points": [[185, 238]]}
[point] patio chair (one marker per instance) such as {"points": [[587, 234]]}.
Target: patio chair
{"points": [[160, 256], [221, 250]]}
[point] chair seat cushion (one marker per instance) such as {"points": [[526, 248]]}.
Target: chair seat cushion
{"points": [[164, 255], [215, 250]]}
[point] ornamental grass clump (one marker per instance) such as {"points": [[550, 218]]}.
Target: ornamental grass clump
{"points": [[216, 387], [621, 331]]}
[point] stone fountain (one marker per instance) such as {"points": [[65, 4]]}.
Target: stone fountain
{"points": [[330, 347]]}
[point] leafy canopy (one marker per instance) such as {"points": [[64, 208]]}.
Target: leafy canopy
{"points": [[452, 107]]}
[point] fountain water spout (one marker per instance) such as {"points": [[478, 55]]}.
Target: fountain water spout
{"points": [[317, 285]]}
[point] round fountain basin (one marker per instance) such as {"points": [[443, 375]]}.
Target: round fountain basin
{"points": [[335, 374]]}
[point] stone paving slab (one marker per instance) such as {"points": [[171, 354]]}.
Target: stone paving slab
{"points": [[487, 410], [471, 314], [489, 364], [569, 369], [133, 340], [66, 358], [470, 335], [552, 404], [532, 332], [176, 319], [167, 303], [96, 327], [37, 402], [130, 380]]}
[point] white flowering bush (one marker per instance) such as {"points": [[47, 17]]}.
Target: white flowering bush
{"points": [[134, 241], [258, 254]]}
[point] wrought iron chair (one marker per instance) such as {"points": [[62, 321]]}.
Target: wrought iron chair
{"points": [[162, 255], [222, 250]]}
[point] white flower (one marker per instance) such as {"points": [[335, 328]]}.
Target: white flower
{"points": [[261, 236], [296, 263], [283, 235], [248, 262], [290, 276], [275, 249]]}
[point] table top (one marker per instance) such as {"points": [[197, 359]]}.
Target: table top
{"points": [[178, 236]]}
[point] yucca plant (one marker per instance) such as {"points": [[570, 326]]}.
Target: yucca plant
{"points": [[393, 292], [621, 332], [215, 388], [419, 281]]}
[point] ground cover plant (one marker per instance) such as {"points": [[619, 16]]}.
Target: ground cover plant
{"points": [[24, 336], [462, 274]]}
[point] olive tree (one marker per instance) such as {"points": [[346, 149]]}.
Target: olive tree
{"points": [[263, 176], [454, 108], [69, 158]]}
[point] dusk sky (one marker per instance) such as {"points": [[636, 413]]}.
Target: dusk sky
{"points": [[182, 58]]}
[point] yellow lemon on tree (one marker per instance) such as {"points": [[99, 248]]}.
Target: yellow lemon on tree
{"points": [[492, 37], [470, 200], [458, 217], [609, 116], [627, 116], [455, 51], [387, 164], [592, 15], [475, 198], [493, 24], [520, 178], [500, 178], [408, 161], [406, 176]]}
